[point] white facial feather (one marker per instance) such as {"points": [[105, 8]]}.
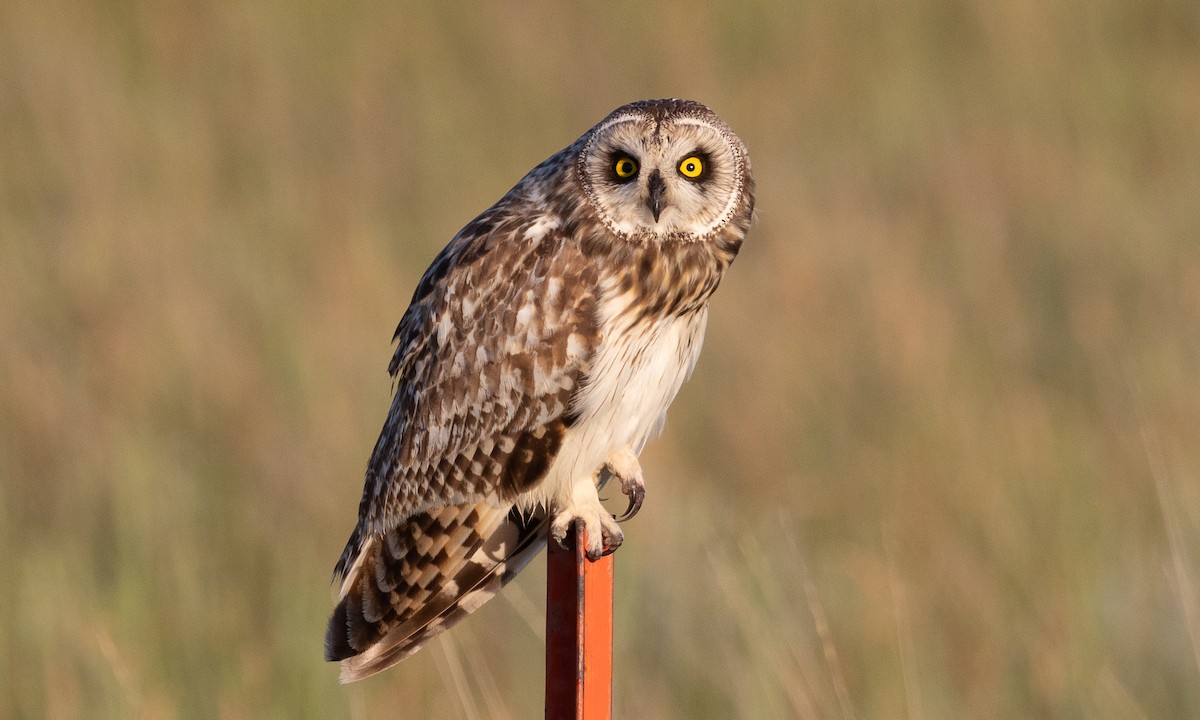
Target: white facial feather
{"points": [[693, 208]]}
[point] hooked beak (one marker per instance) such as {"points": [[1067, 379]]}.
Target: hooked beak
{"points": [[656, 201]]}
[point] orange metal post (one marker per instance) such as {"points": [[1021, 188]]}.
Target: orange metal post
{"points": [[579, 625]]}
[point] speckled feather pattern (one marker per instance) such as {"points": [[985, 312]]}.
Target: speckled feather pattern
{"points": [[514, 368]]}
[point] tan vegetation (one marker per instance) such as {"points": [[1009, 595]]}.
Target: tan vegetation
{"points": [[941, 458]]}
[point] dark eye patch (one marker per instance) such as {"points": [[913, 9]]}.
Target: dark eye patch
{"points": [[623, 167]]}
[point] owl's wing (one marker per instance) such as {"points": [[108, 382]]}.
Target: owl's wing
{"points": [[489, 355]]}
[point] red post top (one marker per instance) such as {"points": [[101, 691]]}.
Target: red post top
{"points": [[579, 631]]}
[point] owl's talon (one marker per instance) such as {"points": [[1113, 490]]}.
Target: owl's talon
{"points": [[603, 533], [559, 535], [635, 489], [610, 542], [624, 466]]}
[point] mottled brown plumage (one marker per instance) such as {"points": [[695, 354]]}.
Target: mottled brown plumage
{"points": [[542, 346]]}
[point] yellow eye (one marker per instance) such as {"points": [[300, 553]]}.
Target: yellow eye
{"points": [[625, 167], [691, 167]]}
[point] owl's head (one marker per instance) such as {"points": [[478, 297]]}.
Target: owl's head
{"points": [[665, 168]]}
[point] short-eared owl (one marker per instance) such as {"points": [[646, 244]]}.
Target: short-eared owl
{"points": [[539, 354]]}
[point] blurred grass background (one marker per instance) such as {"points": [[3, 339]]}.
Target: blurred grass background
{"points": [[940, 458]]}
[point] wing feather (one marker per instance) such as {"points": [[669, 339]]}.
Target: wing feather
{"points": [[486, 547], [488, 357]]}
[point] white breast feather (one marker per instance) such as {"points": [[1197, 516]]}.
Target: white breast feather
{"points": [[638, 368]]}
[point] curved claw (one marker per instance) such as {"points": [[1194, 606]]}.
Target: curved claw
{"points": [[608, 550], [623, 465], [558, 533], [602, 534], [635, 490], [635, 503]]}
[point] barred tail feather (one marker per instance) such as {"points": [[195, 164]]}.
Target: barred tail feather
{"points": [[411, 583]]}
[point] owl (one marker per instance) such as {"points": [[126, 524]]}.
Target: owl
{"points": [[539, 353]]}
